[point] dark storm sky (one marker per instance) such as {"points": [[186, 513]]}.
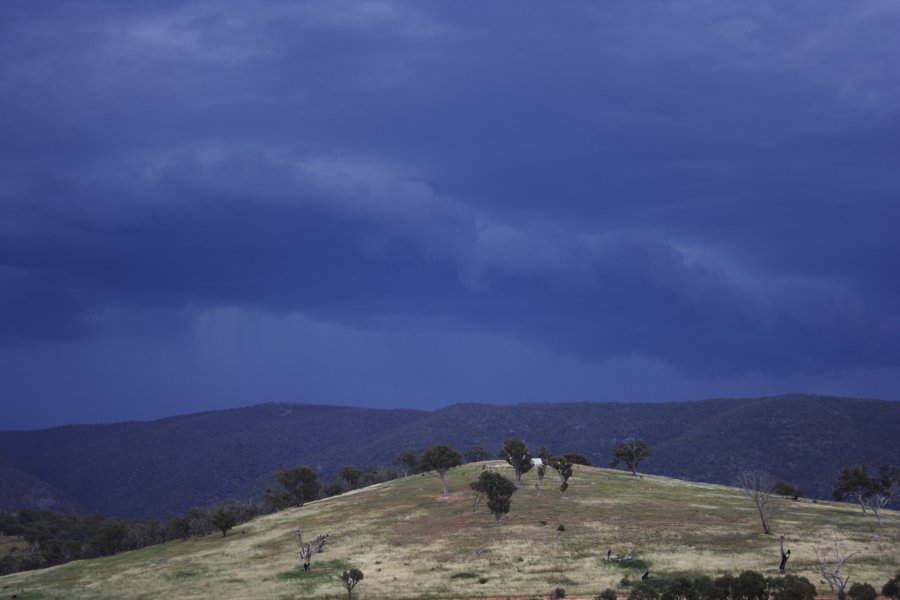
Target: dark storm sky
{"points": [[411, 204]]}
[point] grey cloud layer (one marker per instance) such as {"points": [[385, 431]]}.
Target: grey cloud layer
{"points": [[707, 184]]}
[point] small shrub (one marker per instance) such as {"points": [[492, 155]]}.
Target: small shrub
{"points": [[560, 527], [643, 592], [791, 587], [464, 575], [483, 580], [862, 591], [607, 594], [680, 588], [892, 588], [750, 585], [559, 592]]}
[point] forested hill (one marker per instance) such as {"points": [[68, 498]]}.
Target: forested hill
{"points": [[166, 466]]}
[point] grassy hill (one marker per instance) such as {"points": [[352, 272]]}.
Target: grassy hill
{"points": [[411, 543], [140, 469]]}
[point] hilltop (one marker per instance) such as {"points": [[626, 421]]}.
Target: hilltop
{"points": [[154, 468], [411, 543]]}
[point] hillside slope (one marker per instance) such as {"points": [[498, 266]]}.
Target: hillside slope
{"points": [[23, 490], [166, 466], [411, 543]]}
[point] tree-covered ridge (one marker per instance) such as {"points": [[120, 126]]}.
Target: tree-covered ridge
{"points": [[200, 459]]}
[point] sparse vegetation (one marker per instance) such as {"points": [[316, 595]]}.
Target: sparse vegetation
{"points": [[672, 527]]}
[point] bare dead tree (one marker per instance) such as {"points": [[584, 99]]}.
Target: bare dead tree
{"points": [[757, 485], [307, 550], [832, 573], [885, 489]]}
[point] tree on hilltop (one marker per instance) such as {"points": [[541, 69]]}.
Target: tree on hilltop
{"points": [[563, 468], [477, 454], [408, 461], [441, 458], [224, 518], [517, 454], [870, 491], [351, 475], [297, 486], [630, 452]]}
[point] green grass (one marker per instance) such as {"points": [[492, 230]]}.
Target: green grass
{"points": [[411, 543]]}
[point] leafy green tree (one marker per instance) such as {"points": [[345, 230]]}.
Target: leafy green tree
{"points": [[477, 454], [351, 578], [224, 518], [862, 591], [179, 527], [408, 461], [786, 490], [517, 454], [576, 458], [630, 452], [854, 484], [351, 475], [498, 490], [441, 458], [110, 537], [563, 468], [869, 491], [299, 484]]}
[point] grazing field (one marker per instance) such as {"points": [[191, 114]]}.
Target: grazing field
{"points": [[412, 543]]}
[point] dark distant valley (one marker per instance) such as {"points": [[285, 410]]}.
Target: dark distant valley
{"points": [[163, 467]]}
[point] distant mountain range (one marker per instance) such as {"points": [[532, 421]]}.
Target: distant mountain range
{"points": [[141, 469]]}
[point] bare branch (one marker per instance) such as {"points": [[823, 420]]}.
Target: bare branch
{"points": [[757, 485], [832, 572]]}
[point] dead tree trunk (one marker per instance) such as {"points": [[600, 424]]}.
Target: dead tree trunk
{"points": [[832, 573], [307, 550], [784, 557]]}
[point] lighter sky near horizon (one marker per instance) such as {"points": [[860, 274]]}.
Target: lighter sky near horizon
{"points": [[412, 204]]}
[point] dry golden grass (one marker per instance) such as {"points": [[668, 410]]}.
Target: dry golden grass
{"points": [[411, 543]]}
